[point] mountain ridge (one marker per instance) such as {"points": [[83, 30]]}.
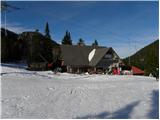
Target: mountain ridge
{"points": [[147, 58]]}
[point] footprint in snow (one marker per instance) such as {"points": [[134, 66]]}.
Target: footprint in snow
{"points": [[51, 88], [73, 91], [26, 97]]}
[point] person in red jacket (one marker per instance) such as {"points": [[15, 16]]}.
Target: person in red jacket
{"points": [[115, 71], [118, 71]]}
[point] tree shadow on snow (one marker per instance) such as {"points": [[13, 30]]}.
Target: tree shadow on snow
{"points": [[14, 65], [26, 73], [99, 116], [154, 111], [123, 113]]}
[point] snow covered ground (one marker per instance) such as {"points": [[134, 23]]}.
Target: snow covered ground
{"points": [[31, 94]]}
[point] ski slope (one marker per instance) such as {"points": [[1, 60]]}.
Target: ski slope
{"points": [[31, 94]]}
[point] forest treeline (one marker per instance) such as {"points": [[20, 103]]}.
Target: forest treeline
{"points": [[33, 46], [146, 58]]}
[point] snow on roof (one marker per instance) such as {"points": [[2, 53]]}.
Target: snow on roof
{"points": [[91, 54]]}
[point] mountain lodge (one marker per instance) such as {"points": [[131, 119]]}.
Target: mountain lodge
{"points": [[92, 59]]}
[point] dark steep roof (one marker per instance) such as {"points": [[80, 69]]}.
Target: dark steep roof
{"points": [[75, 55], [100, 52]]}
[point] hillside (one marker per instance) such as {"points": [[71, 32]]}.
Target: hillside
{"points": [[8, 39], [146, 58], [27, 46]]}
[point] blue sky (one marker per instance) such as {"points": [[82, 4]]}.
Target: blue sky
{"points": [[125, 26]]}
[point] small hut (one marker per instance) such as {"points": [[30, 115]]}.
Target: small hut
{"points": [[137, 71]]}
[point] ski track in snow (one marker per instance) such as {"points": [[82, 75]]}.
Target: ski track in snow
{"points": [[31, 94]]}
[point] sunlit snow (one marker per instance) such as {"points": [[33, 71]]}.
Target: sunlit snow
{"points": [[31, 94]]}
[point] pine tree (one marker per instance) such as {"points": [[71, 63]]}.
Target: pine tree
{"points": [[95, 43], [47, 34], [81, 42], [37, 30], [67, 39]]}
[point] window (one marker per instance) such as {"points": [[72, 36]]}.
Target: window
{"points": [[108, 56]]}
